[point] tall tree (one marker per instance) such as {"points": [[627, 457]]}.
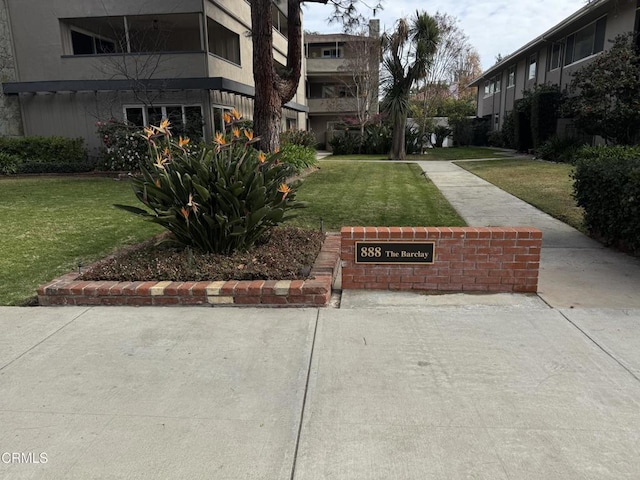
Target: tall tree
{"points": [[275, 87], [455, 64], [409, 55]]}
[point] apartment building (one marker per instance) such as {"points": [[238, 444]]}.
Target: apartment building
{"points": [[554, 56], [342, 78], [78, 62], [10, 119]]}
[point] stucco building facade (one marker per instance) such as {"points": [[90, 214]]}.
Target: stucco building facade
{"points": [[78, 62], [553, 57]]}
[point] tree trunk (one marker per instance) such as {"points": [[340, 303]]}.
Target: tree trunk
{"points": [[273, 90], [266, 110], [397, 143]]}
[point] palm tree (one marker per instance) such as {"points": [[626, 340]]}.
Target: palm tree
{"points": [[409, 52]]}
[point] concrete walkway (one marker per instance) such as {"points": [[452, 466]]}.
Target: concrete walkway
{"points": [[447, 393], [576, 271]]}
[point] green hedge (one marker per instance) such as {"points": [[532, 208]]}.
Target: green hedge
{"points": [[607, 186], [43, 155]]}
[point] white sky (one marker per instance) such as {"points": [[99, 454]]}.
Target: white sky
{"points": [[493, 26]]}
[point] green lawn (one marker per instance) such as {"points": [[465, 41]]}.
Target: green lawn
{"points": [[457, 153], [547, 186], [374, 194], [49, 224]]}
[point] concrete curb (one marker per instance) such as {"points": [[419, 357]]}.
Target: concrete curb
{"points": [[315, 291]]}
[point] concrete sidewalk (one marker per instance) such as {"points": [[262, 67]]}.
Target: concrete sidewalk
{"points": [[414, 393], [575, 271]]}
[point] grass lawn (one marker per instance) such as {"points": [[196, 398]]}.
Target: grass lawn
{"points": [[372, 194], [457, 153], [49, 224], [547, 186]]}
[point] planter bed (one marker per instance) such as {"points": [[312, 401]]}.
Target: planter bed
{"points": [[314, 291]]}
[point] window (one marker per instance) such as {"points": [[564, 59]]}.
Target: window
{"points": [[186, 120], [532, 66], [223, 42], [332, 52], [555, 59], [218, 117], [335, 91], [85, 44], [586, 42], [511, 76], [496, 121], [164, 33], [492, 86], [292, 124], [279, 20], [135, 33]]}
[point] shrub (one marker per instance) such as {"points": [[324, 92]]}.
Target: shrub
{"points": [[508, 131], [480, 128], [607, 186], [304, 138], [9, 163], [545, 103], [298, 156], [346, 143], [414, 140], [124, 147], [469, 131], [605, 98], [559, 149], [44, 155], [219, 198], [495, 139], [377, 138], [442, 132]]}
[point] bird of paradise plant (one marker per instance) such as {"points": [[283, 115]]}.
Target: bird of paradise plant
{"points": [[217, 198]]}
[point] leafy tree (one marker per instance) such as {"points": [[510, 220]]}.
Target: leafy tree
{"points": [[360, 73], [606, 101], [275, 87], [409, 55], [455, 64]]}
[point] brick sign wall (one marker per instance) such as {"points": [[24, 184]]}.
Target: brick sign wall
{"points": [[441, 259]]}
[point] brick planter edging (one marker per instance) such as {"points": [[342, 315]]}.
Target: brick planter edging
{"points": [[480, 259], [315, 291]]}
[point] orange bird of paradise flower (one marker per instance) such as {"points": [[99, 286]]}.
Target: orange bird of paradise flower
{"points": [[219, 139], [285, 190], [183, 141], [248, 134], [262, 157]]}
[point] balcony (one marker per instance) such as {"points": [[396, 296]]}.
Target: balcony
{"points": [[332, 105], [326, 65]]}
